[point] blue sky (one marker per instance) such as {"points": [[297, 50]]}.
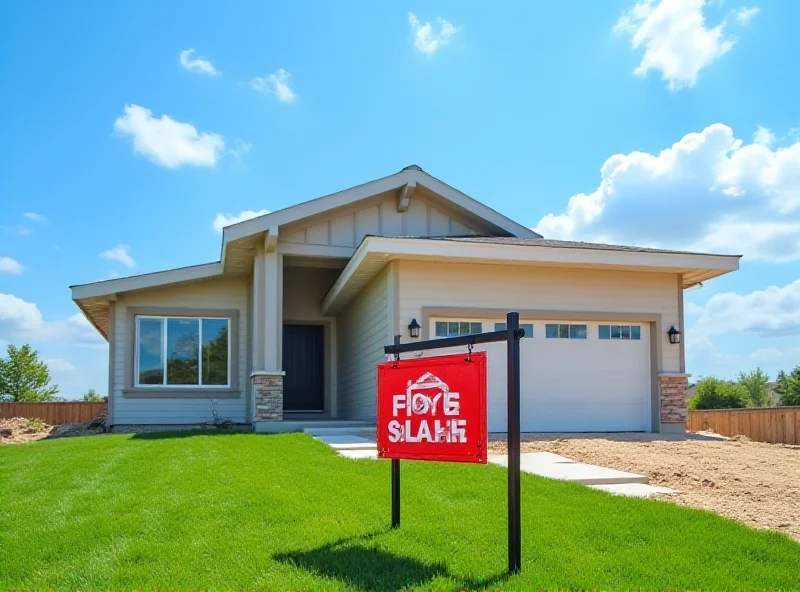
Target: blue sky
{"points": [[669, 123]]}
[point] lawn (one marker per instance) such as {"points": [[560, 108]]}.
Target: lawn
{"points": [[284, 512]]}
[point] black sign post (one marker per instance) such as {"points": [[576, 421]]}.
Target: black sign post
{"points": [[511, 336]]}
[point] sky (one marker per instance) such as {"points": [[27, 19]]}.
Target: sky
{"points": [[132, 132]]}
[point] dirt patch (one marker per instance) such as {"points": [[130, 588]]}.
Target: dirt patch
{"points": [[754, 482], [18, 430]]}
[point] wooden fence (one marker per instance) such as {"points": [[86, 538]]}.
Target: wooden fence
{"points": [[53, 413], [769, 424]]}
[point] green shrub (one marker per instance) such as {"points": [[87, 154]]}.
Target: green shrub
{"points": [[713, 393], [756, 383], [789, 388]]}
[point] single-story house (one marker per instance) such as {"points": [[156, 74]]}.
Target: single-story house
{"points": [[289, 324]]}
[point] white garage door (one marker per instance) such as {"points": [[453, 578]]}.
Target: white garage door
{"points": [[575, 376]]}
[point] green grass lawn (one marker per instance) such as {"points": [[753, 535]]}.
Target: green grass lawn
{"points": [[284, 512]]}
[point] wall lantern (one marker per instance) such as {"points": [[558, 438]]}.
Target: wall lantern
{"points": [[674, 335], [413, 328]]}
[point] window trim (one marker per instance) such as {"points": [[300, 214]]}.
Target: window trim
{"points": [[449, 320], [620, 325], [569, 326], [133, 390], [164, 352]]}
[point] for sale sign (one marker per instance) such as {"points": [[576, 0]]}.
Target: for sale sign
{"points": [[433, 408]]}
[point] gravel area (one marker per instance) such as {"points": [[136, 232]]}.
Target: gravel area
{"points": [[754, 482]]}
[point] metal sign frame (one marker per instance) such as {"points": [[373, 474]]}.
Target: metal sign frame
{"points": [[511, 336]]}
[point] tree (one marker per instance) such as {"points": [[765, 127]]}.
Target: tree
{"points": [[780, 384], [24, 378], [790, 388], [713, 393], [756, 382], [91, 396]]}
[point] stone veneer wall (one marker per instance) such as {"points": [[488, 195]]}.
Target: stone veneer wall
{"points": [[673, 398], [268, 395]]}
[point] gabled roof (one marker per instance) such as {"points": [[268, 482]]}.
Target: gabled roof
{"points": [[410, 176]]}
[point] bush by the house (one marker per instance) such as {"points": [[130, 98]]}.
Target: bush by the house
{"points": [[713, 393]]}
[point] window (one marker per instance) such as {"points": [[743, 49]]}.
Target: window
{"points": [[564, 331], [182, 351], [457, 328], [619, 332], [527, 326]]}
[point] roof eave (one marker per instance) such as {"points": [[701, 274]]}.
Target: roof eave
{"points": [[702, 266], [147, 280]]}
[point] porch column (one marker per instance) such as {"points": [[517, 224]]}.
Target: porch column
{"points": [[267, 374]]}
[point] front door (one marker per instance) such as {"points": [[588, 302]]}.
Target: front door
{"points": [[304, 364]]}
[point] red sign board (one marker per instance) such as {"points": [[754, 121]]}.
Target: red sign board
{"points": [[433, 408]]}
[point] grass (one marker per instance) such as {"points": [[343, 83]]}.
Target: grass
{"points": [[283, 512]]}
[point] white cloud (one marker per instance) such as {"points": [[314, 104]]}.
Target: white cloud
{"points": [[19, 229], [771, 312], [275, 84], [764, 136], [240, 149], [197, 65], [675, 39], [22, 320], [120, 253], [19, 314], [708, 192], [34, 217], [745, 14], [59, 365], [425, 40], [223, 220], [9, 265], [168, 142]]}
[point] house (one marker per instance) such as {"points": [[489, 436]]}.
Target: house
{"points": [[289, 325]]}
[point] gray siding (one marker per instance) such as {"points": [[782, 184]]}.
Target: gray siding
{"points": [[222, 294], [346, 227], [363, 330]]}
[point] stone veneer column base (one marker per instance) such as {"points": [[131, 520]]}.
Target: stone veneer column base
{"points": [[673, 397], [267, 396]]}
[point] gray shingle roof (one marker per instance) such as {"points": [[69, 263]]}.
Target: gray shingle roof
{"points": [[557, 244]]}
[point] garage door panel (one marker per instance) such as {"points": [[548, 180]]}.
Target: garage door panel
{"points": [[569, 385]]}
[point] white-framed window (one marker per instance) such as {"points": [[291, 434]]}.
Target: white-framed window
{"points": [[457, 328], [182, 352], [527, 326], [633, 332], [564, 331]]}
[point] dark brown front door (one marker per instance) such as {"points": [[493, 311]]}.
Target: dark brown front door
{"points": [[304, 364]]}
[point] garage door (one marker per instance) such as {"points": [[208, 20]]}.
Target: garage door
{"points": [[575, 376]]}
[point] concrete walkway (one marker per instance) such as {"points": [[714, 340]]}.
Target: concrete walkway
{"points": [[543, 464]]}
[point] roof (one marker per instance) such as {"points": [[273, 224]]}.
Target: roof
{"points": [[559, 244], [375, 252], [239, 240]]}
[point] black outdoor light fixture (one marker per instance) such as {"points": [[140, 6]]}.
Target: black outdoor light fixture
{"points": [[674, 335], [413, 328]]}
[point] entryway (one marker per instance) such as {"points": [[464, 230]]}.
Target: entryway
{"points": [[304, 364]]}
